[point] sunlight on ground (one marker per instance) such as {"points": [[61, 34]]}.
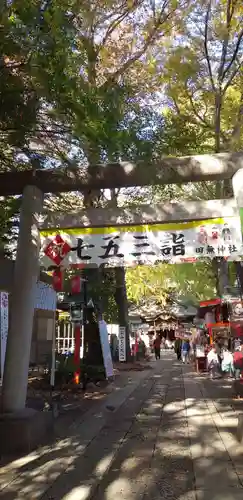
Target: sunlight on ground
{"points": [[123, 488], [78, 493], [176, 407], [103, 465], [20, 462], [157, 449], [130, 463]]}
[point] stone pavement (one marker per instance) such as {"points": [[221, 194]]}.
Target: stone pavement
{"points": [[165, 435]]}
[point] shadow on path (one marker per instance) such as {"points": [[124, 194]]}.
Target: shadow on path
{"points": [[166, 441]]}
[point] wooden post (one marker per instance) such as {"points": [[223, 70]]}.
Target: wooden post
{"points": [[77, 335]]}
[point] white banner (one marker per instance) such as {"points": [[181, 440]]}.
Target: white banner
{"points": [[132, 245], [3, 327], [200, 351], [106, 351], [122, 343]]}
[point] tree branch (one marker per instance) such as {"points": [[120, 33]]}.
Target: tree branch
{"points": [[229, 13], [235, 53], [116, 22], [206, 45], [151, 37], [176, 106], [204, 122], [235, 72], [237, 128], [190, 97]]}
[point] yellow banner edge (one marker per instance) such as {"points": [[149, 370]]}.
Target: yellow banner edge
{"points": [[177, 226]]}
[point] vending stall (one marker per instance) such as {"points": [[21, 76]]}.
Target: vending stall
{"points": [[220, 332]]}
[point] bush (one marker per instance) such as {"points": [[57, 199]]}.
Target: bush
{"points": [[65, 368]]}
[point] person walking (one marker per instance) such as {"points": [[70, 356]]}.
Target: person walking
{"points": [[238, 371], [227, 363], [219, 352], [185, 350], [178, 348], [157, 342], [213, 363]]}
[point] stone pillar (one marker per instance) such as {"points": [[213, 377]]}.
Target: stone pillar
{"points": [[237, 183], [122, 306], [26, 273]]}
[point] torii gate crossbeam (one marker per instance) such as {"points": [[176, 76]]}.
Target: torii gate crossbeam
{"points": [[142, 214], [169, 170]]}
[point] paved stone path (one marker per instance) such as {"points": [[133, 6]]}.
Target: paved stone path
{"points": [[166, 438]]}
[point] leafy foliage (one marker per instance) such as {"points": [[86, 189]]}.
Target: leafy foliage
{"points": [[87, 82], [8, 224], [196, 281], [203, 74]]}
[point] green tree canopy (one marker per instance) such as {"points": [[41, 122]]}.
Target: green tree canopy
{"points": [[195, 281]]}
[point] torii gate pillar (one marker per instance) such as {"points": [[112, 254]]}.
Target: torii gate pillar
{"points": [[237, 183], [26, 271]]}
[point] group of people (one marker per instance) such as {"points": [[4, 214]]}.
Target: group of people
{"points": [[160, 342], [221, 361], [182, 350]]}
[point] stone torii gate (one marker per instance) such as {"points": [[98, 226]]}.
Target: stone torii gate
{"points": [[33, 185]]}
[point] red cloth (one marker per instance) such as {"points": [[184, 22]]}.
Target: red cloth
{"points": [[238, 359], [157, 343]]}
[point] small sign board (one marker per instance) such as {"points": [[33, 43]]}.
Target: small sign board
{"points": [[237, 343], [3, 327], [220, 331], [200, 351], [106, 351], [183, 334], [236, 310], [122, 343]]}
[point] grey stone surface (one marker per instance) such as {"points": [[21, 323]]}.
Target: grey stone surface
{"points": [[219, 494], [167, 439], [156, 495], [24, 430]]}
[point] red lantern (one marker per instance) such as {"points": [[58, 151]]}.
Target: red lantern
{"points": [[57, 280], [75, 284]]}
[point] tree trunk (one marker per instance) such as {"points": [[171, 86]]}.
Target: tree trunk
{"points": [[239, 275], [217, 123], [221, 271], [122, 305], [215, 266], [223, 188], [223, 277]]}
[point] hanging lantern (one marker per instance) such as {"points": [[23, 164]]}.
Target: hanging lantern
{"points": [[57, 276], [76, 284]]}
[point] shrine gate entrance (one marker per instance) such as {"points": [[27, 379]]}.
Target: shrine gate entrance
{"points": [[33, 185]]}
